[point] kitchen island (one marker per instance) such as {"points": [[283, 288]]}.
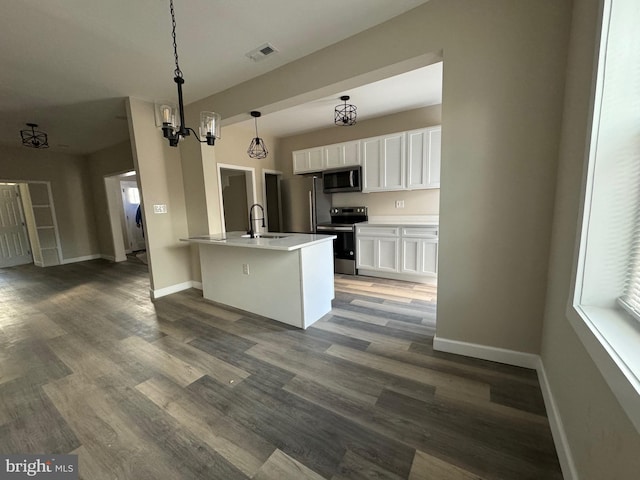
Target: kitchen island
{"points": [[284, 276]]}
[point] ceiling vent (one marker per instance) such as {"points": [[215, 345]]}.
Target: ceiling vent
{"points": [[261, 52]]}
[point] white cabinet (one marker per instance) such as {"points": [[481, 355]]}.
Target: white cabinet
{"points": [[398, 161], [405, 252], [419, 250], [378, 248], [326, 157], [423, 158], [341, 155], [309, 160], [383, 163]]}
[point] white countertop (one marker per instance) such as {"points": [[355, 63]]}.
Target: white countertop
{"points": [[408, 220], [288, 242]]}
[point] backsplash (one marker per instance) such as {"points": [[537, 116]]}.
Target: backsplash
{"points": [[416, 202]]}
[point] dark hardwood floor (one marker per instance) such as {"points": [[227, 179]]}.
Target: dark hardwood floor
{"points": [[183, 389]]}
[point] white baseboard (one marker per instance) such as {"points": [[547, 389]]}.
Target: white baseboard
{"points": [[162, 292], [484, 352], [557, 428], [80, 259], [111, 258], [526, 360]]}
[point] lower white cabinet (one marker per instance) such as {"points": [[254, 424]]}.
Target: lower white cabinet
{"points": [[377, 248], [400, 250]]}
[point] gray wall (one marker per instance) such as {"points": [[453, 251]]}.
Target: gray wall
{"points": [[70, 187], [106, 162]]}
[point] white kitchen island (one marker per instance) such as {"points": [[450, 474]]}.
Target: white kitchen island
{"points": [[288, 279]]}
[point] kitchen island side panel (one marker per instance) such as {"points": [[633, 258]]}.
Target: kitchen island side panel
{"points": [[317, 281], [293, 287], [272, 287]]}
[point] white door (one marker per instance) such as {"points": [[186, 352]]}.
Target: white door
{"points": [[130, 202], [14, 244]]}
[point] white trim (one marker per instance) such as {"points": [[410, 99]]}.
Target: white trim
{"points": [[38, 264], [196, 285], [80, 259], [526, 360], [254, 192], [178, 287], [111, 258], [565, 458], [406, 277], [484, 352]]}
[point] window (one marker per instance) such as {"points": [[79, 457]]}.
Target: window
{"points": [[608, 269]]}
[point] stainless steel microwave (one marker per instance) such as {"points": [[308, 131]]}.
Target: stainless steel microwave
{"points": [[346, 179]]}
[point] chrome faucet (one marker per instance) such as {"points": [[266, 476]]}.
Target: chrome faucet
{"points": [[251, 233]]}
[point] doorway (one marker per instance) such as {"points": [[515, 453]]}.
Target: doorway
{"points": [[237, 193], [122, 202], [133, 231], [272, 199]]}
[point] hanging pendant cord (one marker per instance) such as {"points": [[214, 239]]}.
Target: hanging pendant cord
{"points": [[177, 72], [255, 119]]}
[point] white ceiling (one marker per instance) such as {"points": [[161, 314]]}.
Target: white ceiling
{"points": [[68, 64]]}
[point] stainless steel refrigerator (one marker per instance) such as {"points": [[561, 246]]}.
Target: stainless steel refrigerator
{"points": [[304, 205]]}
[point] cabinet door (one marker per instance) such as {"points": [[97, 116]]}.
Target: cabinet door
{"points": [[429, 254], [365, 253], [387, 254], [300, 161], [334, 156], [435, 135], [371, 165], [411, 255], [351, 153], [393, 161], [316, 161], [417, 159]]}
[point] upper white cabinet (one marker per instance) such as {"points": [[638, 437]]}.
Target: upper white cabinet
{"points": [[327, 157], [309, 160], [423, 158], [383, 162], [399, 161], [341, 155]]}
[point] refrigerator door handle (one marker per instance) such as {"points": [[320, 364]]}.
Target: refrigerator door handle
{"points": [[311, 212]]}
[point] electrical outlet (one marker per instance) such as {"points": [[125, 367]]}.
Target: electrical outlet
{"points": [[399, 203], [245, 268]]}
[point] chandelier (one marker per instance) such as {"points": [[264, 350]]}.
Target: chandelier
{"points": [[345, 115], [257, 148], [173, 130], [34, 138]]}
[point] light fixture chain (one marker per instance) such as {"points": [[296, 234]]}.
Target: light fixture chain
{"points": [[177, 72]]}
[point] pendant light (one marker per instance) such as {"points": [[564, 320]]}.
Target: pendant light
{"points": [[34, 138], [166, 112], [345, 115], [257, 148]]}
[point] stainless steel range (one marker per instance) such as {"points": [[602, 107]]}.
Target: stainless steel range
{"points": [[343, 220]]}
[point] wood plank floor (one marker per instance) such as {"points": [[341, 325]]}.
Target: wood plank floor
{"points": [[183, 389]]}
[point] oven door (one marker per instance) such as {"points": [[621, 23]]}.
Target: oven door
{"points": [[344, 247]]}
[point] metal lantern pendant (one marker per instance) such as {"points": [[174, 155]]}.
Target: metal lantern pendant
{"points": [[345, 115], [257, 148], [34, 138], [166, 113]]}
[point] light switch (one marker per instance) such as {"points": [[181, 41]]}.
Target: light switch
{"points": [[399, 203], [160, 208]]}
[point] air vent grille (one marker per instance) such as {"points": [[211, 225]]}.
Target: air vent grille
{"points": [[261, 52]]}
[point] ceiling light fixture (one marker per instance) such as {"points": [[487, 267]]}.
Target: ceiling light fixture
{"points": [[345, 115], [34, 138], [166, 112], [257, 148]]}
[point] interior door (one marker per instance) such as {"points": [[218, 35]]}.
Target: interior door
{"points": [[14, 243], [130, 202]]}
